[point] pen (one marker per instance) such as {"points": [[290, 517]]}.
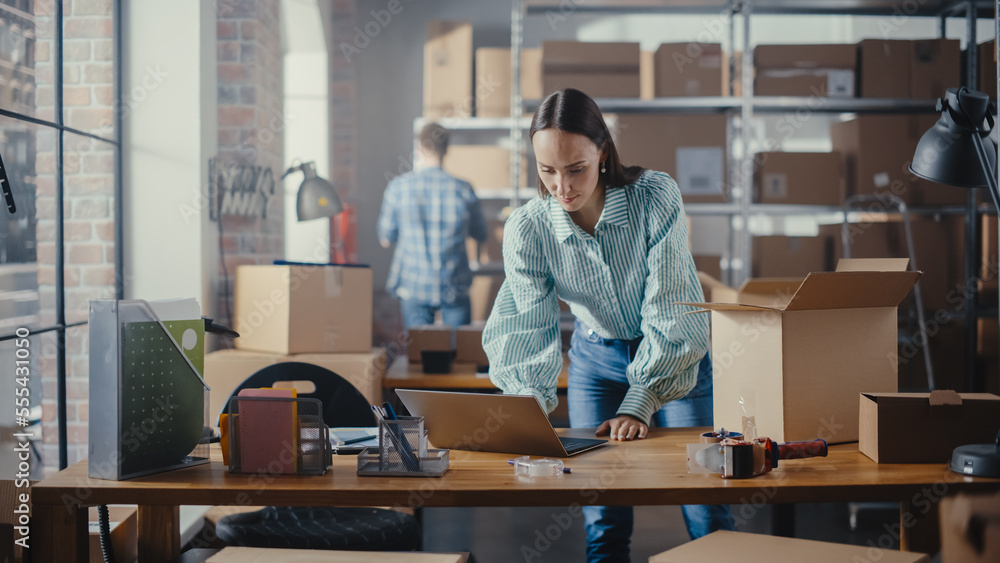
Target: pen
{"points": [[356, 440], [565, 469]]}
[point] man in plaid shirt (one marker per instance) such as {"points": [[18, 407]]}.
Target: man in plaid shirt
{"points": [[428, 214]]}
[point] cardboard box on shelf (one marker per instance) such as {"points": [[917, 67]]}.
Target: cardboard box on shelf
{"points": [[448, 70], [935, 67], [710, 264], [784, 257], [990, 257], [299, 309], [808, 178], [485, 167], [123, 522], [428, 337], [691, 148], [493, 79], [469, 344], [804, 70], [934, 240], [602, 70], [877, 151], [970, 528], [687, 69], [225, 370], [988, 68], [901, 69], [787, 367], [647, 78], [490, 251], [925, 427], [483, 293], [759, 548]]}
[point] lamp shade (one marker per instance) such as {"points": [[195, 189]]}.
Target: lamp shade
{"points": [[947, 152], [316, 198]]}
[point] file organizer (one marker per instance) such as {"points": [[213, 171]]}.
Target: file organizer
{"points": [[387, 459], [278, 436], [148, 401]]}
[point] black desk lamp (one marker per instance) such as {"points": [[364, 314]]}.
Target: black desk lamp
{"points": [[957, 151]]}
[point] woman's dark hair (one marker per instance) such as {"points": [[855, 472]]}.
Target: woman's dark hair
{"points": [[572, 111]]}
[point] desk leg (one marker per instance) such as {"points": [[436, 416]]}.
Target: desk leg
{"points": [[783, 520], [59, 533], [159, 533], [918, 531]]}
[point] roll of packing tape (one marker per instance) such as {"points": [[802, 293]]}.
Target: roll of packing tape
{"points": [[524, 466], [715, 437]]}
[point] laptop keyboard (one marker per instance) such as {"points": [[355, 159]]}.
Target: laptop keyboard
{"points": [[577, 444]]}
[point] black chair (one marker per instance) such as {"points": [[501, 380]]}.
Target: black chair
{"points": [[304, 527]]}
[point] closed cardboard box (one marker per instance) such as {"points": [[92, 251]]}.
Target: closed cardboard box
{"points": [[804, 56], [485, 167], [783, 257], [877, 151], [884, 68], [925, 427], [299, 309], [493, 79], [448, 70], [797, 370], [602, 70], [688, 69], [225, 370], [804, 70], [970, 528], [935, 67], [988, 68], [808, 178], [469, 344], [428, 337], [741, 547], [693, 149]]}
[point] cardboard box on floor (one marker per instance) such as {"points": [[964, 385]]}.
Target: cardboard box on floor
{"points": [[304, 309], [785, 257], [124, 525], [687, 69], [797, 369], [925, 427], [225, 370], [602, 70], [691, 148], [741, 547], [877, 150], [904, 69], [433, 337], [807, 178], [485, 167], [970, 528], [448, 70], [493, 79]]}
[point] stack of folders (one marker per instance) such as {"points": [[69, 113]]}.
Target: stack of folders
{"points": [[272, 428]]}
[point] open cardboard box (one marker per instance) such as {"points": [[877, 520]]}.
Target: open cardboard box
{"points": [[796, 369], [740, 547], [925, 427]]}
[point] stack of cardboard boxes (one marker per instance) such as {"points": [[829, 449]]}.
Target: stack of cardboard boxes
{"points": [[315, 314]]}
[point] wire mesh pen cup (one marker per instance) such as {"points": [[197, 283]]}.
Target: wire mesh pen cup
{"points": [[402, 451]]}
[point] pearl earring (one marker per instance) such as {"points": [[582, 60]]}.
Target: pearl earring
{"points": [[603, 169]]}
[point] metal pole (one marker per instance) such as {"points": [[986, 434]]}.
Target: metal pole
{"points": [[745, 174], [516, 104], [60, 240], [116, 32]]}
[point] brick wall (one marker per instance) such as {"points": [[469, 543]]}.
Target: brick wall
{"points": [[88, 171], [251, 124]]}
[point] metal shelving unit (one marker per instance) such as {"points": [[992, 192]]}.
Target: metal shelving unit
{"points": [[743, 109]]}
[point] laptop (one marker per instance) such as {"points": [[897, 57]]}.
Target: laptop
{"points": [[514, 424]]}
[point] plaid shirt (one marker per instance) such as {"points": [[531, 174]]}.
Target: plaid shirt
{"points": [[428, 214]]}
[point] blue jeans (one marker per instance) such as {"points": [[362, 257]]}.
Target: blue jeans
{"points": [[456, 313], [597, 387]]}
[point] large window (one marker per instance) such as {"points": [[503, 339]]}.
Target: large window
{"points": [[59, 141]]}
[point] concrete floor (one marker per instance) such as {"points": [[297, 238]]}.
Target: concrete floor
{"points": [[504, 535]]}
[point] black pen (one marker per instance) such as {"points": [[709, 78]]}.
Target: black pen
{"points": [[356, 440]]}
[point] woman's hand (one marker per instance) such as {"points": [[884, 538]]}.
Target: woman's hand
{"points": [[624, 427]]}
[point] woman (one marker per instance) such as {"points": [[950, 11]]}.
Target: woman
{"points": [[611, 241]]}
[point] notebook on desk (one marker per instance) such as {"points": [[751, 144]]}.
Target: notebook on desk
{"points": [[514, 424]]}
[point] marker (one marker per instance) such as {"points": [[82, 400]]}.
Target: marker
{"points": [[565, 469], [356, 440]]}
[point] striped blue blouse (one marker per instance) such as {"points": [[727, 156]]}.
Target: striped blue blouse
{"points": [[623, 283]]}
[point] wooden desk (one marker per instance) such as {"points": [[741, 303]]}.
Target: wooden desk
{"points": [[405, 375], [643, 472]]}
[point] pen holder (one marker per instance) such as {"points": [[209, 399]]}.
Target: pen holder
{"points": [[402, 451]]}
